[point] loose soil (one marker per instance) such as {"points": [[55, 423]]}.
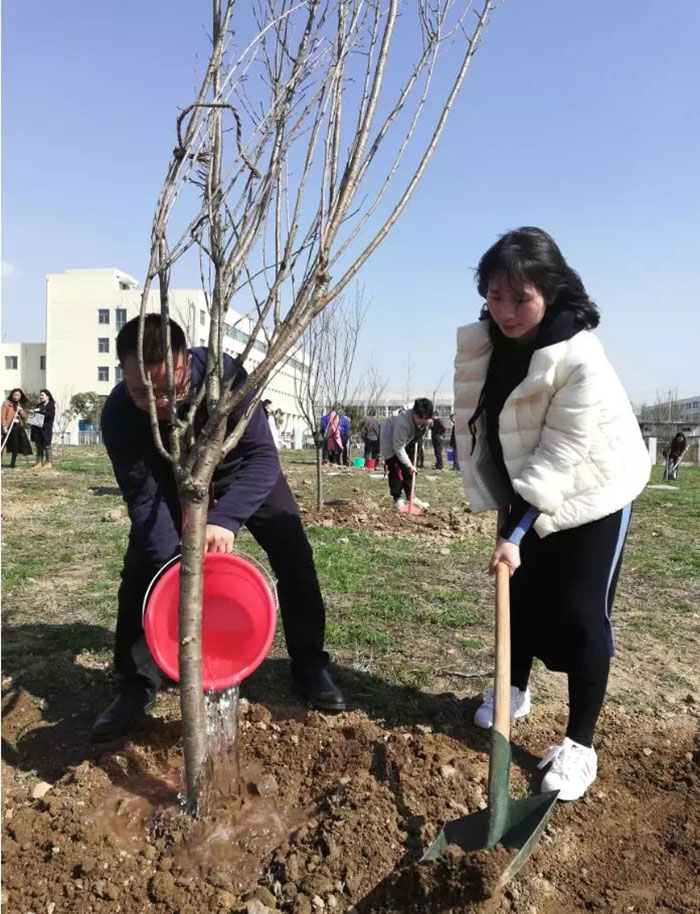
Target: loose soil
{"points": [[335, 812], [364, 512]]}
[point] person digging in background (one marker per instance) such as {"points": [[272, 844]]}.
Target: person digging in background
{"points": [[43, 435], [547, 436], [676, 452], [370, 435], [248, 489], [14, 415], [437, 434], [399, 435]]}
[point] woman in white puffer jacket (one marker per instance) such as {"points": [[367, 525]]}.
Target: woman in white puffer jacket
{"points": [[546, 435]]}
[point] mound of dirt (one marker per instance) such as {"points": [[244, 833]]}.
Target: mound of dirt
{"points": [[364, 512], [334, 815]]}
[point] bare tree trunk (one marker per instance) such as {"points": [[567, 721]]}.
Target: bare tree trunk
{"points": [[191, 690], [319, 477]]}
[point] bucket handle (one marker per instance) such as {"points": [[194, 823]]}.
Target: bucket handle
{"points": [[272, 582]]}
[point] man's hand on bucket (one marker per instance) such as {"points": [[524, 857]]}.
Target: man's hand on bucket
{"points": [[218, 539]]}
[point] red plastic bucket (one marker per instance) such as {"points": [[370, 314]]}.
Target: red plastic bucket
{"points": [[239, 615], [370, 464]]}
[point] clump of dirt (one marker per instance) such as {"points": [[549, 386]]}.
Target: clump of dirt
{"points": [[335, 813], [458, 882]]}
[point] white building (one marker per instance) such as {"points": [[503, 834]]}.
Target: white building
{"points": [[690, 409], [686, 411], [85, 309], [23, 365]]}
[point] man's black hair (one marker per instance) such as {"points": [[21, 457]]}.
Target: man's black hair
{"points": [[153, 343], [423, 408]]}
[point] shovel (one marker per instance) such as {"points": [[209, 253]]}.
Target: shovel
{"points": [[410, 508], [514, 824]]}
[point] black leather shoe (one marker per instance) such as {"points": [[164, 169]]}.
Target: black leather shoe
{"points": [[321, 692], [130, 705]]}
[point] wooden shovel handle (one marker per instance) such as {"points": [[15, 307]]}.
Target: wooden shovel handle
{"points": [[413, 478], [501, 720]]}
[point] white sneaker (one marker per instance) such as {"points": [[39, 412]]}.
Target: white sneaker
{"points": [[519, 707], [574, 768], [400, 504]]}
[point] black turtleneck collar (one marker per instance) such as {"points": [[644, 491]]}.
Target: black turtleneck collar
{"points": [[508, 366], [555, 327]]}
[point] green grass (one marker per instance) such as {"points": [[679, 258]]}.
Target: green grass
{"points": [[349, 635], [664, 538], [398, 608]]}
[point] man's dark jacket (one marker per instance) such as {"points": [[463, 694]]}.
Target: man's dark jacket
{"points": [[242, 480]]}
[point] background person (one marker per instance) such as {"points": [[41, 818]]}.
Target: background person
{"points": [[345, 433], [399, 436], [437, 434], [370, 434], [42, 436], [676, 452], [334, 442], [14, 415], [547, 435], [272, 422], [324, 429]]}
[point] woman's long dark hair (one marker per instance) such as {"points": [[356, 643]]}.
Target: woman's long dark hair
{"points": [[530, 255], [22, 397], [48, 394]]}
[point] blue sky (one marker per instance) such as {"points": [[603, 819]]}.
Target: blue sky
{"points": [[580, 117]]}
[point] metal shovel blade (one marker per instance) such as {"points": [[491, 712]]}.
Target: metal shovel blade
{"points": [[514, 824]]}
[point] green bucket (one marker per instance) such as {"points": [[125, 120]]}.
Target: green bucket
{"points": [[358, 461]]}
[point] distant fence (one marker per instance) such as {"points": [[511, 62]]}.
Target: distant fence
{"points": [[91, 437]]}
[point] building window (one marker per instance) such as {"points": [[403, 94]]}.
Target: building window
{"points": [[243, 337], [123, 286], [103, 344], [103, 315], [10, 362], [120, 318], [118, 374], [202, 318], [103, 373], [42, 363]]}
